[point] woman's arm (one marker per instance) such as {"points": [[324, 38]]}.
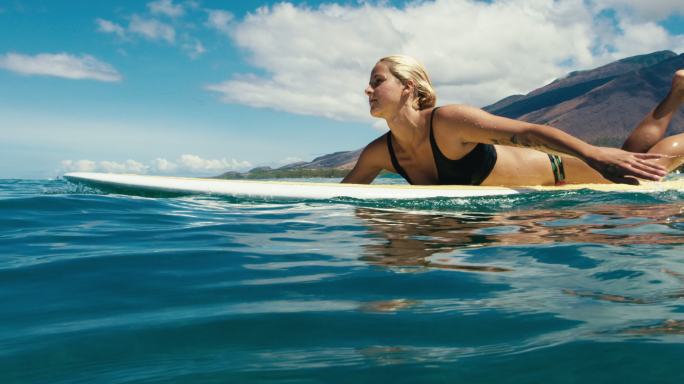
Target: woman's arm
{"points": [[473, 125], [370, 163]]}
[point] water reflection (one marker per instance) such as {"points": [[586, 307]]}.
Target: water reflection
{"points": [[667, 327], [679, 293], [411, 239], [388, 306], [590, 265]]}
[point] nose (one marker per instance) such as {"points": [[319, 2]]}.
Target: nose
{"points": [[368, 90]]}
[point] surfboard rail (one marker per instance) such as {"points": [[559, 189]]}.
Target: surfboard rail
{"points": [[313, 190]]}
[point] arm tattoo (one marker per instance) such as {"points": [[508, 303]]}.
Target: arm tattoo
{"points": [[527, 142]]}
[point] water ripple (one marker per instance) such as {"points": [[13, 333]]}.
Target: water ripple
{"points": [[113, 288]]}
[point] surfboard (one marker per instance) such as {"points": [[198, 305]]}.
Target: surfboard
{"points": [[143, 184]]}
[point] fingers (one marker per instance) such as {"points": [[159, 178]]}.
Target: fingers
{"points": [[643, 172], [651, 156], [645, 176], [644, 166], [649, 168], [658, 160], [623, 180], [628, 173], [628, 167]]}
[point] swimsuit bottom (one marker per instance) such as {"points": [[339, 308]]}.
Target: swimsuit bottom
{"points": [[557, 168]]}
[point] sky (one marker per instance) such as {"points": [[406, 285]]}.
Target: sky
{"points": [[200, 87]]}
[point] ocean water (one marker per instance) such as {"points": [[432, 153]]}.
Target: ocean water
{"points": [[571, 287]]}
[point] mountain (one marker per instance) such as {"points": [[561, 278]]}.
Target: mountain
{"points": [[600, 105], [340, 160], [574, 84], [333, 165]]}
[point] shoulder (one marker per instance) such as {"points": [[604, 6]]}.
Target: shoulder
{"points": [[376, 151], [456, 111], [458, 125], [373, 159], [379, 143], [455, 118], [376, 154], [448, 118]]}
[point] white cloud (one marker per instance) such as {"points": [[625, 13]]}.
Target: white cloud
{"points": [[152, 29], [166, 7], [641, 37], [180, 28], [317, 60], [652, 10], [60, 65], [192, 4], [219, 20], [186, 164], [163, 165], [107, 26], [194, 49], [79, 165], [130, 166], [197, 164]]}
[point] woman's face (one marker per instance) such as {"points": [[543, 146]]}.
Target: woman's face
{"points": [[383, 90]]}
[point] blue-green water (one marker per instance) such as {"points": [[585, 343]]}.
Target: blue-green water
{"points": [[579, 287]]}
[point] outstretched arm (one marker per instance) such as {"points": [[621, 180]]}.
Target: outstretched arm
{"points": [[477, 126]]}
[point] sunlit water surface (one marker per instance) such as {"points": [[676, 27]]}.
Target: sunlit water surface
{"points": [[564, 287]]}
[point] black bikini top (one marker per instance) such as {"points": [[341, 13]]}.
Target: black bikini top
{"points": [[471, 169]]}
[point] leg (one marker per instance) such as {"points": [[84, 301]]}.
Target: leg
{"points": [[652, 128], [673, 146]]}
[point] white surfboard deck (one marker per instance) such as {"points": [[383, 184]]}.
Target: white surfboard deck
{"points": [[306, 190]]}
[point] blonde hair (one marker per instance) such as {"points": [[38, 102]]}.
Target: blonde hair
{"points": [[407, 68]]}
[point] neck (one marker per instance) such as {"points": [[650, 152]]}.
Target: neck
{"points": [[406, 127]]}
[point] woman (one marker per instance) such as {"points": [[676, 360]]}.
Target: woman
{"points": [[456, 144]]}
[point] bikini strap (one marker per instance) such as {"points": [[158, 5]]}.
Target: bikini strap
{"points": [[432, 115], [433, 142], [395, 161]]}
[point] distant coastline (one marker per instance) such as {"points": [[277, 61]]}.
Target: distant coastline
{"points": [[333, 165], [260, 173], [331, 173]]}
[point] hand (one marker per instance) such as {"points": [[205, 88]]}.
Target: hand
{"points": [[625, 167]]}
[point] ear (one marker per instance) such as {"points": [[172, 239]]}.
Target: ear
{"points": [[409, 87]]}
